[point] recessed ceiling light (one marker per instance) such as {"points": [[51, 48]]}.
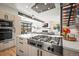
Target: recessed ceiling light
{"points": [[45, 3], [37, 7]]}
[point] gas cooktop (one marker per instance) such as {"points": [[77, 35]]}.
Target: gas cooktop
{"points": [[47, 43]]}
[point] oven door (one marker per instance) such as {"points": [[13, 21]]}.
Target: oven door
{"points": [[4, 23], [5, 34]]}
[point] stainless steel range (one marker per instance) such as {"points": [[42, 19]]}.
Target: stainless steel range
{"points": [[47, 43]]}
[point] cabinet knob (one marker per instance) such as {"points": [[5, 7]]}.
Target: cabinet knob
{"points": [[21, 51], [48, 48], [6, 17], [21, 39], [21, 42], [52, 49]]}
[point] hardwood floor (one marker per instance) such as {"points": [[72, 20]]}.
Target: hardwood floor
{"points": [[8, 52]]}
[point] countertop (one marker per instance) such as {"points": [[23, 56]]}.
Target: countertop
{"points": [[74, 46], [33, 34], [71, 45], [28, 35]]}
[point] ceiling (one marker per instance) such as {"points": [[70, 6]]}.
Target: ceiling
{"points": [[26, 8], [42, 7]]}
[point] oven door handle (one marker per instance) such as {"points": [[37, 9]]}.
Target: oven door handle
{"points": [[14, 30]]}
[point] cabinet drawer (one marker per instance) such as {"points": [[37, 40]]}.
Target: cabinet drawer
{"points": [[20, 52], [11, 43], [22, 47], [22, 41], [18, 40], [5, 45]]}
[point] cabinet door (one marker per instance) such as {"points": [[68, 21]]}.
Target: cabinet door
{"points": [[20, 52], [6, 45], [10, 17], [67, 52], [45, 53], [12, 43], [33, 51], [26, 47], [2, 15], [17, 25], [6, 16], [17, 28], [1, 46]]}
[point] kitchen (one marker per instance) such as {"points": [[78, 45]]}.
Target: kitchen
{"points": [[37, 29]]}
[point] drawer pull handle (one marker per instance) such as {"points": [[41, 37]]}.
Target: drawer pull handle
{"points": [[21, 51], [20, 42], [20, 38]]}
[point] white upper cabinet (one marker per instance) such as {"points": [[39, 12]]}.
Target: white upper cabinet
{"points": [[2, 15], [6, 16]]}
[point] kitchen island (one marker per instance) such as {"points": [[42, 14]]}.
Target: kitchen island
{"points": [[39, 45], [69, 47]]}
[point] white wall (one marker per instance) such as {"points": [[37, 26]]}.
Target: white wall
{"points": [[8, 9], [52, 17]]}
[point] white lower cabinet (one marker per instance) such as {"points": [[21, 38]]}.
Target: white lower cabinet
{"points": [[20, 52], [33, 51], [67, 52], [1, 46], [45, 53], [24, 49], [12, 43], [6, 44]]}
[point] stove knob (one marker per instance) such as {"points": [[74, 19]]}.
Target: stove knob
{"points": [[48, 48], [52, 49]]}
